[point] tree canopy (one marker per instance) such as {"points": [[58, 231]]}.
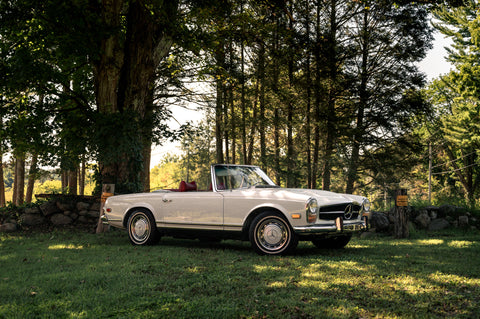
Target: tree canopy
{"points": [[322, 94], [456, 102]]}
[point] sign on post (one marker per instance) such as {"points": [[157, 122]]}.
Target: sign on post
{"points": [[402, 201], [400, 216]]}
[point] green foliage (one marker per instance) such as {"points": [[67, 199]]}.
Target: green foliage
{"points": [[315, 90], [194, 165], [167, 174], [198, 154], [49, 187], [50, 53], [454, 129], [317, 87], [10, 212], [46, 79], [105, 276], [118, 135]]}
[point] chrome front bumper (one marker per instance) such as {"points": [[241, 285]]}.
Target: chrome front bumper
{"points": [[339, 226]]}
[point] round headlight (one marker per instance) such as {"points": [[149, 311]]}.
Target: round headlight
{"points": [[366, 205], [311, 209], [312, 205]]}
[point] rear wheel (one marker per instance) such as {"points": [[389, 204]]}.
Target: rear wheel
{"points": [[141, 228], [336, 242], [270, 234]]}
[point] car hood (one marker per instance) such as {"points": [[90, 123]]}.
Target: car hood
{"points": [[324, 198]]}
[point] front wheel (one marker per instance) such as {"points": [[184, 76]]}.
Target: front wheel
{"points": [[270, 234], [141, 228]]}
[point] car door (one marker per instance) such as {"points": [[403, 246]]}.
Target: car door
{"points": [[193, 210]]}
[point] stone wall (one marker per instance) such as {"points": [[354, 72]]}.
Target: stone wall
{"points": [[82, 212], [430, 218], [78, 211]]}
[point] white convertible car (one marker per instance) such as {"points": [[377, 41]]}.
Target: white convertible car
{"points": [[242, 203]]}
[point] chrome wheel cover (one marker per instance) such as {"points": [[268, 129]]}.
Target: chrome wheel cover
{"points": [[272, 234], [140, 228]]}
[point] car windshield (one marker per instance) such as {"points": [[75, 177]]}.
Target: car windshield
{"points": [[236, 177]]}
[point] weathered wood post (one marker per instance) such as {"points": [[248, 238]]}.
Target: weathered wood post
{"points": [[107, 191], [400, 215]]}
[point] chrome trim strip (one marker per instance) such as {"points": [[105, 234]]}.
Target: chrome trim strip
{"points": [[233, 228], [119, 220], [200, 226], [190, 226]]}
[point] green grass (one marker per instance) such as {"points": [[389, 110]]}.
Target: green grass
{"points": [[80, 275]]}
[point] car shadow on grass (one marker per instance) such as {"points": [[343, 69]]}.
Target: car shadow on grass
{"points": [[119, 238]]}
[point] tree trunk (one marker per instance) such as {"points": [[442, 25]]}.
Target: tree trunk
{"points": [[308, 83], [228, 93], [147, 152], [262, 122], [318, 100], [291, 163], [14, 186], [276, 138], [32, 174], [253, 125], [107, 73], [2, 182], [330, 120], [124, 76], [81, 177], [19, 180], [276, 116], [233, 128], [64, 180], [464, 175], [358, 131], [243, 101], [220, 57], [72, 182], [220, 101], [108, 67]]}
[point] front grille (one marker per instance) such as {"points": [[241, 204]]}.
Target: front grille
{"points": [[332, 212]]}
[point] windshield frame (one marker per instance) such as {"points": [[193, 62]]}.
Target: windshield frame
{"points": [[228, 177]]}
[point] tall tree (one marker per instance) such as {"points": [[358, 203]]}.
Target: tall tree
{"points": [[456, 98], [32, 176], [124, 73], [2, 182], [385, 90], [120, 42]]}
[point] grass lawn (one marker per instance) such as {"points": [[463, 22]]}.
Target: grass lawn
{"points": [[81, 275]]}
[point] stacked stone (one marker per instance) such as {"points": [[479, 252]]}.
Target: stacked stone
{"points": [[430, 218], [55, 212]]}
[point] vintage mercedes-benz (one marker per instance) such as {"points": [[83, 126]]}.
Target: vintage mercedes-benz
{"points": [[241, 203]]}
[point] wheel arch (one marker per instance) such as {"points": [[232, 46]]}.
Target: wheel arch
{"points": [[257, 211], [134, 208]]}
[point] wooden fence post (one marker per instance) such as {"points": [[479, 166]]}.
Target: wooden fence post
{"points": [[107, 191], [400, 215]]}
